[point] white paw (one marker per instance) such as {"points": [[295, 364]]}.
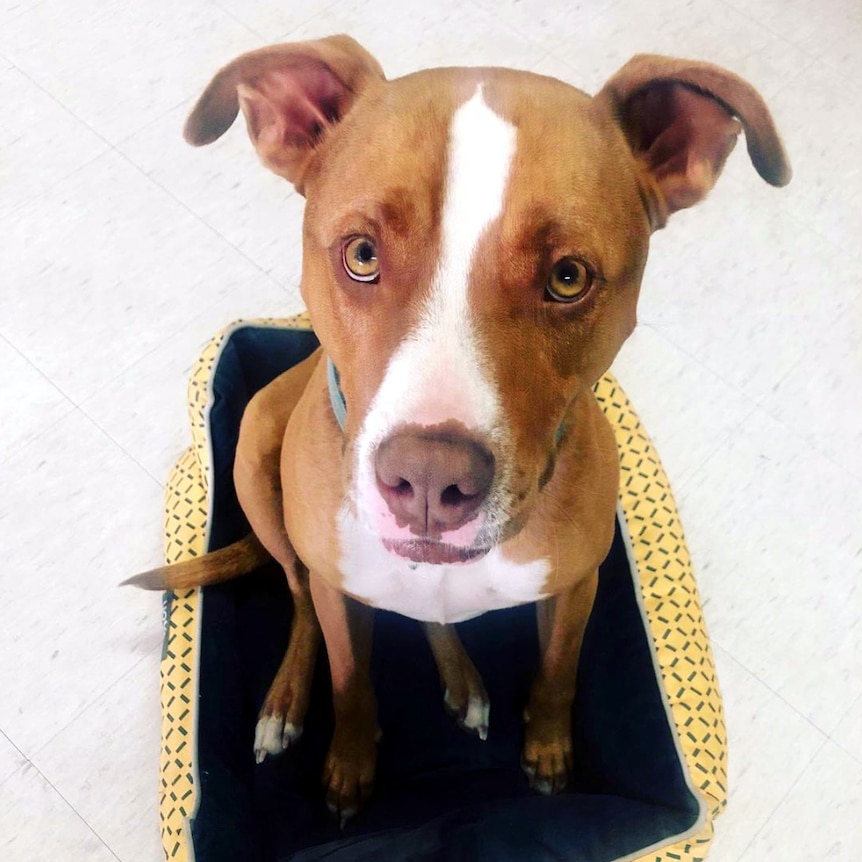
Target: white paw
{"points": [[273, 735], [475, 716]]}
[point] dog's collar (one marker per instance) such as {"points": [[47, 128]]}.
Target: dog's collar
{"points": [[336, 396]]}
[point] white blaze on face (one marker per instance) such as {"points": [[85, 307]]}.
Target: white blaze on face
{"points": [[439, 373]]}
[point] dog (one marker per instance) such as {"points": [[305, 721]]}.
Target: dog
{"points": [[473, 248]]}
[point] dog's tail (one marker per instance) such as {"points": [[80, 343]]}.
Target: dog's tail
{"points": [[235, 560]]}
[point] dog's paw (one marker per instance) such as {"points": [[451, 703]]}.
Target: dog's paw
{"points": [[547, 755], [470, 707], [464, 694], [348, 773], [273, 735]]}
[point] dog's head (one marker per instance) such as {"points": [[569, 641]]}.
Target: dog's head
{"points": [[474, 243]]}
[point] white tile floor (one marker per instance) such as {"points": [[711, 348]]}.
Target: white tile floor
{"points": [[122, 250]]}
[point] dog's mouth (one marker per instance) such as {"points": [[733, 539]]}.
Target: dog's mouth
{"points": [[429, 551]]}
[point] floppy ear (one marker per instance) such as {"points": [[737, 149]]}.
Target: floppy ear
{"points": [[681, 119], [291, 95]]}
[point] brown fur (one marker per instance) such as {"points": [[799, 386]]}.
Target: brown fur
{"points": [[235, 560]]}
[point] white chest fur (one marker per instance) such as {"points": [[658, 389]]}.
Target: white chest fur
{"points": [[433, 593]]}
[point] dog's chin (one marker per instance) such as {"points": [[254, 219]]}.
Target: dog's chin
{"points": [[435, 553]]}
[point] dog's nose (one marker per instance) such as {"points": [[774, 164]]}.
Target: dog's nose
{"points": [[433, 481]]}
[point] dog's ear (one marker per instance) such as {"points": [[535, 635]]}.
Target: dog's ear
{"points": [[290, 95], [681, 119]]}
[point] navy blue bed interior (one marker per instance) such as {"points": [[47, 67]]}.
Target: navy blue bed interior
{"points": [[440, 793]]}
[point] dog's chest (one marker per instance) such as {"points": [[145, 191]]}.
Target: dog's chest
{"points": [[433, 593]]}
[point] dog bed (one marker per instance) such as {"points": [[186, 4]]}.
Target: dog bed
{"points": [[648, 726]]}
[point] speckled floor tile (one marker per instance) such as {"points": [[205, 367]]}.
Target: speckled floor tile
{"points": [[811, 25], [820, 398], [226, 186], [117, 735], [775, 535], [145, 410], [762, 762], [155, 54], [11, 759], [273, 21], [690, 413], [819, 818], [813, 110], [38, 825], [449, 34], [70, 534], [588, 51], [40, 143], [28, 401], [121, 266], [848, 734], [731, 284]]}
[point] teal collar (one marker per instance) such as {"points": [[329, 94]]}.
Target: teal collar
{"points": [[561, 432], [336, 396]]}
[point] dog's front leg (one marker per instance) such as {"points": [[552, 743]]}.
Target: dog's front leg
{"points": [[283, 712], [464, 694], [257, 478], [348, 626], [562, 619]]}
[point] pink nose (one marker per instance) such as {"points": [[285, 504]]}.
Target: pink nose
{"points": [[433, 481]]}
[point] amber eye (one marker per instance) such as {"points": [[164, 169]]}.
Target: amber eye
{"points": [[359, 256], [570, 280]]}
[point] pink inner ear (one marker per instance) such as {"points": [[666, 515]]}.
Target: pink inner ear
{"points": [[291, 106], [684, 138]]}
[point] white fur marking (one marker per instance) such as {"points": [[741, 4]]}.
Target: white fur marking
{"points": [[433, 593], [478, 713], [438, 373], [272, 735]]}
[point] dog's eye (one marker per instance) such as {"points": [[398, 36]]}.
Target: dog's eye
{"points": [[570, 280], [359, 256]]}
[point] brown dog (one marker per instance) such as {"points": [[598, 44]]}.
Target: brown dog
{"points": [[474, 243]]}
